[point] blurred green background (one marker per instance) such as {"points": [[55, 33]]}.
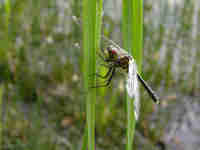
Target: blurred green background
{"points": [[43, 105]]}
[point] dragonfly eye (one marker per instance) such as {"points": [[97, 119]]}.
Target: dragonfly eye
{"points": [[112, 52]]}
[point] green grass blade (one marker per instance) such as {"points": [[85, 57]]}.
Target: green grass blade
{"points": [[138, 32], [1, 124], [133, 41], [85, 139], [91, 31], [7, 10], [4, 64]]}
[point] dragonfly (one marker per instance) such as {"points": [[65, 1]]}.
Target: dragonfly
{"points": [[115, 57]]}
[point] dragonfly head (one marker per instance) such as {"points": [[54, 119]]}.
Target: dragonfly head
{"points": [[112, 52]]}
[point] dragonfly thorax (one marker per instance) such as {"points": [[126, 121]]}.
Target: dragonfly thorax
{"points": [[123, 62]]}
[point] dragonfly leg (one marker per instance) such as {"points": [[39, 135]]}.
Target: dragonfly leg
{"points": [[110, 78], [107, 81], [106, 75]]}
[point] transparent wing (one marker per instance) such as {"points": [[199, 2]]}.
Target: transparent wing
{"points": [[132, 86]]}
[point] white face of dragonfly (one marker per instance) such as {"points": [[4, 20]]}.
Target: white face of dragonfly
{"points": [[132, 86]]}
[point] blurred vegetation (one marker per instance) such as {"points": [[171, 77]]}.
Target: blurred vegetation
{"points": [[44, 105]]}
